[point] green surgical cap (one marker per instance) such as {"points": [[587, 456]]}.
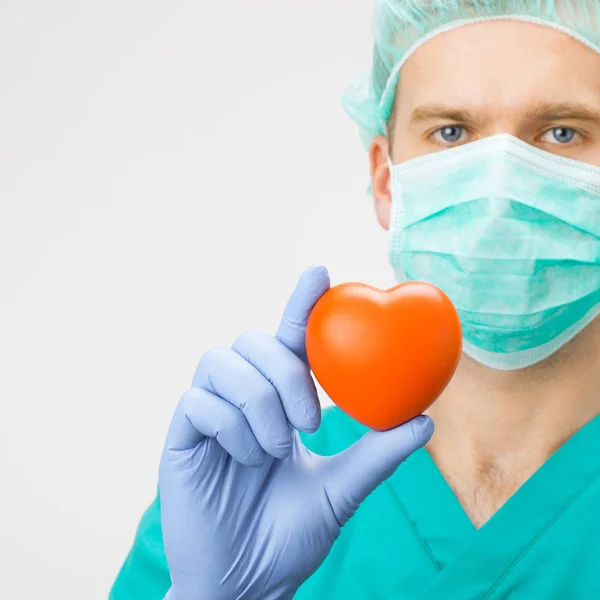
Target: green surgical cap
{"points": [[401, 26]]}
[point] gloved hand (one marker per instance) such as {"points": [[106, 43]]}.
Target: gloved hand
{"points": [[248, 512]]}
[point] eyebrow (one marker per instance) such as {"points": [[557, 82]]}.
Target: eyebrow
{"points": [[543, 112]]}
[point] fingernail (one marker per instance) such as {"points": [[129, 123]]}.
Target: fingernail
{"points": [[316, 271], [316, 267], [424, 424], [311, 428], [284, 450]]}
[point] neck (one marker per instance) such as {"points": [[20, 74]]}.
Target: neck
{"points": [[494, 429]]}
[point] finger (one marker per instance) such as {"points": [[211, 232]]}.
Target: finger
{"points": [[201, 415], [353, 474], [313, 283], [287, 374], [225, 373]]}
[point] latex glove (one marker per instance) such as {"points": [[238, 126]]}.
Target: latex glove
{"points": [[248, 512]]}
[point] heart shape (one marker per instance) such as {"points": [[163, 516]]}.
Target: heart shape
{"points": [[384, 356]]}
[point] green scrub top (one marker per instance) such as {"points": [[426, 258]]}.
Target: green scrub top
{"points": [[411, 539]]}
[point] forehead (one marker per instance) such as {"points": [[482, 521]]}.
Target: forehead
{"points": [[500, 63]]}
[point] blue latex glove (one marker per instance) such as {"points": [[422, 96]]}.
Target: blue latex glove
{"points": [[248, 512]]}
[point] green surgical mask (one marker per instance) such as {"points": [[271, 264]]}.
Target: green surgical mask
{"points": [[511, 234]]}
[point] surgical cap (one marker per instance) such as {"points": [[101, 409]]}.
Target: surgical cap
{"points": [[401, 26]]}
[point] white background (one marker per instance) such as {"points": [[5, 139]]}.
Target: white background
{"points": [[167, 170]]}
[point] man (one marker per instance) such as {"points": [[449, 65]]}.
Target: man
{"points": [[483, 125]]}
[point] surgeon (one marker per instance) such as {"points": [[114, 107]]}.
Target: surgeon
{"points": [[482, 122]]}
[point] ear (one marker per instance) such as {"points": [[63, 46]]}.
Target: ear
{"points": [[380, 179]]}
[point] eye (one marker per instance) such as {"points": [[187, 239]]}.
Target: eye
{"points": [[560, 135], [450, 134]]}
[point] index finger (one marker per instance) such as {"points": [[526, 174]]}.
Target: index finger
{"points": [[313, 283]]}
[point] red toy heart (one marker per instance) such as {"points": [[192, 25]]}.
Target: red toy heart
{"points": [[384, 357]]}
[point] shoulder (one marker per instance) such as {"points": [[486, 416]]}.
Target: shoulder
{"points": [[336, 433]]}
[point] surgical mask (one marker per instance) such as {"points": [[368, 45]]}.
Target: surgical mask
{"points": [[511, 234]]}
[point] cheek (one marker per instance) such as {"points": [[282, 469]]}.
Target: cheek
{"points": [[415, 142], [590, 153], [410, 151]]}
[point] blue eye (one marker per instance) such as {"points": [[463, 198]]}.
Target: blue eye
{"points": [[561, 135], [451, 134]]}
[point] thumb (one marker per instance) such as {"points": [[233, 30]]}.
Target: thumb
{"points": [[313, 283], [354, 473]]}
